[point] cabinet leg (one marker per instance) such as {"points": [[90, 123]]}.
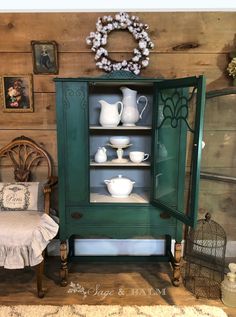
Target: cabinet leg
{"points": [[177, 258], [64, 267]]}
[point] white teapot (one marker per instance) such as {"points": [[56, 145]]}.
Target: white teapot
{"points": [[101, 156], [119, 186]]}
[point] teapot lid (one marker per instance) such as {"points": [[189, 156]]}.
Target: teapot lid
{"points": [[120, 177]]}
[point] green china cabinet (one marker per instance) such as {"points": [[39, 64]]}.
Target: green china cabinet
{"points": [[165, 190]]}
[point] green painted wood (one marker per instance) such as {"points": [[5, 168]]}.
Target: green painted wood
{"points": [[197, 150], [120, 74], [116, 76], [61, 139], [170, 174], [118, 215], [77, 215], [76, 146], [117, 221], [181, 178], [179, 233], [117, 232]]}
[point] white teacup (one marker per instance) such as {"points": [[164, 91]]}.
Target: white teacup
{"points": [[138, 156]]}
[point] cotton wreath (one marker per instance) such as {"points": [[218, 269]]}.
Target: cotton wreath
{"points": [[122, 21], [232, 68]]}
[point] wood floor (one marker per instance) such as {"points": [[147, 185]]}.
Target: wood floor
{"points": [[100, 284]]}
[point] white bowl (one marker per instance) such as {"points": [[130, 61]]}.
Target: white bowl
{"points": [[119, 140]]}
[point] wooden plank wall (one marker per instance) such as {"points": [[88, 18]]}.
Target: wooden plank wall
{"points": [[186, 44]]}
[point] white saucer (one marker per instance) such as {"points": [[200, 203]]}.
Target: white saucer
{"points": [[121, 160]]}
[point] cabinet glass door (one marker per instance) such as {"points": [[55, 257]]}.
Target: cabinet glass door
{"points": [[177, 145]]}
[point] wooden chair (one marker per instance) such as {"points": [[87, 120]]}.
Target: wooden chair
{"points": [[25, 227]]}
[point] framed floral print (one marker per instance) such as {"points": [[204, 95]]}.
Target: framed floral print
{"points": [[44, 57], [17, 93]]}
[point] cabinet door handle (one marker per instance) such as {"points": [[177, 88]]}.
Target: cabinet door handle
{"points": [[76, 215]]}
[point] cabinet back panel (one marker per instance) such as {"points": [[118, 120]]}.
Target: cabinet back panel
{"points": [[114, 94], [140, 176], [139, 143]]}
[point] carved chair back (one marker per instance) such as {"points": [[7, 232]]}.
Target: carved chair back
{"points": [[24, 155]]}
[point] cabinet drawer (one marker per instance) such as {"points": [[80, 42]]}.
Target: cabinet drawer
{"points": [[122, 216]]}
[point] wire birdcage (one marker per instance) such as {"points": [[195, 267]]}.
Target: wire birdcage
{"points": [[205, 258]]}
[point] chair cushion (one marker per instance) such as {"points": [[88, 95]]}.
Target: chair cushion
{"points": [[21, 196], [23, 237]]}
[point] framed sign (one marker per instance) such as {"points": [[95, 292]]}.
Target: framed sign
{"points": [[17, 93], [44, 57]]}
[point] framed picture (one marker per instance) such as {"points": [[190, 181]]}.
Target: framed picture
{"points": [[44, 57], [17, 93]]}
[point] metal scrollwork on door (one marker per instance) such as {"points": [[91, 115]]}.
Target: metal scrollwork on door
{"points": [[79, 93], [175, 107]]}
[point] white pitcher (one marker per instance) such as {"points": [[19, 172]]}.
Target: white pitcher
{"points": [[110, 115], [101, 156], [130, 113]]}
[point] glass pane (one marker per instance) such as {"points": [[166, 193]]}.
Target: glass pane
{"points": [[218, 166], [219, 135], [175, 137]]}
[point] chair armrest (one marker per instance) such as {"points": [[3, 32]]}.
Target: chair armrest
{"points": [[47, 192], [52, 181]]}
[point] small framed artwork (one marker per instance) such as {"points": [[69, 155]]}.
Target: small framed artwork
{"points": [[44, 57], [17, 93]]}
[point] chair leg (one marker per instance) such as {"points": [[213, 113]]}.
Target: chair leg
{"points": [[40, 270]]}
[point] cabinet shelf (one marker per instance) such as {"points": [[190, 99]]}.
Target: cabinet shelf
{"points": [[112, 164], [101, 195], [135, 128]]}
